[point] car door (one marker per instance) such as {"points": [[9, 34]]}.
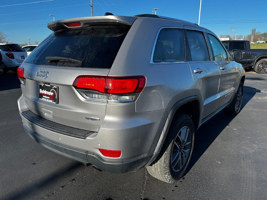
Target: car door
{"points": [[227, 68], [205, 72]]}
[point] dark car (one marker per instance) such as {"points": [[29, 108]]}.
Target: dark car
{"points": [[250, 58]]}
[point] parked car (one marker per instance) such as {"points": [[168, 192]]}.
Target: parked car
{"points": [[11, 56], [250, 58], [260, 42], [123, 93], [29, 48]]}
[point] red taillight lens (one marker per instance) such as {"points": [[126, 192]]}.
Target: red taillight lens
{"points": [[20, 72], [111, 85], [73, 24], [121, 86], [10, 55], [90, 83], [110, 153]]}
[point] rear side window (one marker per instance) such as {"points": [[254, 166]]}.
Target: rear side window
{"points": [[197, 46], [93, 46], [11, 47], [169, 46], [219, 54]]}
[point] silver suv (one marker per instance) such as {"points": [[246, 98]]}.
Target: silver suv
{"points": [[122, 93]]}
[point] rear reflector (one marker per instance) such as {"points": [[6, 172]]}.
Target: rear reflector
{"points": [[20, 72], [110, 153], [10, 55], [73, 24], [111, 85]]}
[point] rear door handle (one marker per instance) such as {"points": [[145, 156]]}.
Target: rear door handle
{"points": [[222, 68], [197, 71]]}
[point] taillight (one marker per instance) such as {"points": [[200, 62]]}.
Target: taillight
{"points": [[110, 153], [20, 73], [117, 89], [10, 55], [73, 24], [91, 83], [111, 85]]}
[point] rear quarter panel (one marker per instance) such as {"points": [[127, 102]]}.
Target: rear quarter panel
{"points": [[166, 83]]}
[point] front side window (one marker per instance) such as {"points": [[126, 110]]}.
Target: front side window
{"points": [[197, 46], [169, 46], [219, 54]]}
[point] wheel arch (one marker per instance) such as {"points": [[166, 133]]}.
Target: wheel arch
{"points": [[258, 59], [190, 106]]}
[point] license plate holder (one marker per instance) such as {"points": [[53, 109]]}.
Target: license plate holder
{"points": [[48, 92]]}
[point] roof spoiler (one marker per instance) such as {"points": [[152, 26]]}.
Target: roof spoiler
{"points": [[78, 22]]}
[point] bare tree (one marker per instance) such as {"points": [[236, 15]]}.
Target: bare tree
{"points": [[2, 37]]}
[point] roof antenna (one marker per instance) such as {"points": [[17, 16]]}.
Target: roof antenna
{"points": [[108, 13]]}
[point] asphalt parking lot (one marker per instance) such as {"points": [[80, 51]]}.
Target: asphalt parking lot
{"points": [[229, 161]]}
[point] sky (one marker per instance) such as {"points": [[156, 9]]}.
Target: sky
{"points": [[24, 21]]}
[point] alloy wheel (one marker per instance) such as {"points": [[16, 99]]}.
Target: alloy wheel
{"points": [[181, 148]]}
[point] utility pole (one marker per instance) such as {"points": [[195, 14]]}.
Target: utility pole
{"points": [[154, 11], [52, 16], [199, 12], [234, 34], [91, 5]]}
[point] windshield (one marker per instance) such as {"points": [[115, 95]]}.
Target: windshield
{"points": [[11, 47], [93, 46]]}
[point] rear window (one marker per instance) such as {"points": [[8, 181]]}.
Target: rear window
{"points": [[94, 46], [226, 44], [237, 45], [29, 48], [11, 47]]}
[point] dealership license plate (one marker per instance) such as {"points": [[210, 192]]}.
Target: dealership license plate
{"points": [[48, 92]]}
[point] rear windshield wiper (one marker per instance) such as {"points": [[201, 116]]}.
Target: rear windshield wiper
{"points": [[63, 61]]}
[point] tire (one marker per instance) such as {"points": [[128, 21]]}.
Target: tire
{"points": [[235, 106], [261, 66], [179, 147], [4, 68]]}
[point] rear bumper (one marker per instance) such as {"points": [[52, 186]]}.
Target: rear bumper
{"points": [[86, 157], [86, 150], [11, 63]]}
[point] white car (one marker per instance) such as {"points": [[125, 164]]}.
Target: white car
{"points": [[11, 56], [29, 48]]}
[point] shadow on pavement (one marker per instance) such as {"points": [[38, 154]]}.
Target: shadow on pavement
{"points": [[209, 131], [9, 81], [255, 78], [38, 186]]}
